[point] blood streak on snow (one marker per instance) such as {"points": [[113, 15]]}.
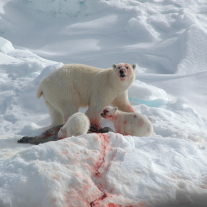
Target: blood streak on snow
{"points": [[99, 170], [82, 193], [56, 177], [104, 146], [117, 205], [94, 198], [97, 173], [103, 162], [112, 189], [140, 204], [53, 200], [113, 205], [65, 152], [96, 202]]}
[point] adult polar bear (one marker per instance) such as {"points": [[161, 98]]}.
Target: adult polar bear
{"points": [[74, 85]]}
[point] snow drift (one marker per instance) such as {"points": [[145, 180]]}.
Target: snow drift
{"points": [[167, 41]]}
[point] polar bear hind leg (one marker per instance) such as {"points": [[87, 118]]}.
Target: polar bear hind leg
{"points": [[68, 109], [60, 112], [56, 117]]}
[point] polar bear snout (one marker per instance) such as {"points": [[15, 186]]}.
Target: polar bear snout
{"points": [[104, 113], [122, 73], [62, 133]]}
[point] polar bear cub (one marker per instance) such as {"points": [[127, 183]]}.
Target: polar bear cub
{"points": [[134, 124], [77, 124]]}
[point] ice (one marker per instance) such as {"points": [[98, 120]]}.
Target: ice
{"points": [[167, 41], [6, 46], [141, 93]]}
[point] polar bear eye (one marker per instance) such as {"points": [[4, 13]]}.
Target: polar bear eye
{"points": [[119, 67], [127, 67]]}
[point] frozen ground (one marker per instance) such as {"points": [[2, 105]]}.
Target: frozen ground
{"points": [[167, 39]]}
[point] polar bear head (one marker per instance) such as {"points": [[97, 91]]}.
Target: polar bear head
{"points": [[124, 70], [109, 112], [62, 133]]}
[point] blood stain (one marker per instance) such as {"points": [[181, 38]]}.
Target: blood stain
{"points": [[113, 205]]}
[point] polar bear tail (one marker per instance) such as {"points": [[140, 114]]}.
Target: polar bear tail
{"points": [[39, 92]]}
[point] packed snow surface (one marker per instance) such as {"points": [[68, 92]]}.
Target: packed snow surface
{"points": [[167, 39]]}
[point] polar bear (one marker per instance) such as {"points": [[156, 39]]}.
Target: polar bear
{"points": [[77, 124], [134, 124], [73, 86]]}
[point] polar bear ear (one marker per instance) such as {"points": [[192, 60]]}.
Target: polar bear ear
{"points": [[115, 108], [134, 66], [114, 66]]}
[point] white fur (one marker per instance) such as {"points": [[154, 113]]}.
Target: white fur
{"points": [[77, 124], [134, 124], [73, 86]]}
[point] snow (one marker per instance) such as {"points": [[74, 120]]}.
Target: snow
{"points": [[167, 39]]}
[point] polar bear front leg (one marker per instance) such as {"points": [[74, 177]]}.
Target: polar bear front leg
{"points": [[122, 102], [94, 118], [97, 103]]}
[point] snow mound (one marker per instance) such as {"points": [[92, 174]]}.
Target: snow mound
{"points": [[20, 73], [5, 46], [176, 119], [186, 53], [105, 170], [56, 8], [140, 30], [167, 40], [141, 93]]}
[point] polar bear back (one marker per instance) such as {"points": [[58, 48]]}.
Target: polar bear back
{"points": [[69, 76], [133, 124], [77, 124]]}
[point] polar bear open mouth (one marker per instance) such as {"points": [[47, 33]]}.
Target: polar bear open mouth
{"points": [[122, 75], [103, 115]]}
